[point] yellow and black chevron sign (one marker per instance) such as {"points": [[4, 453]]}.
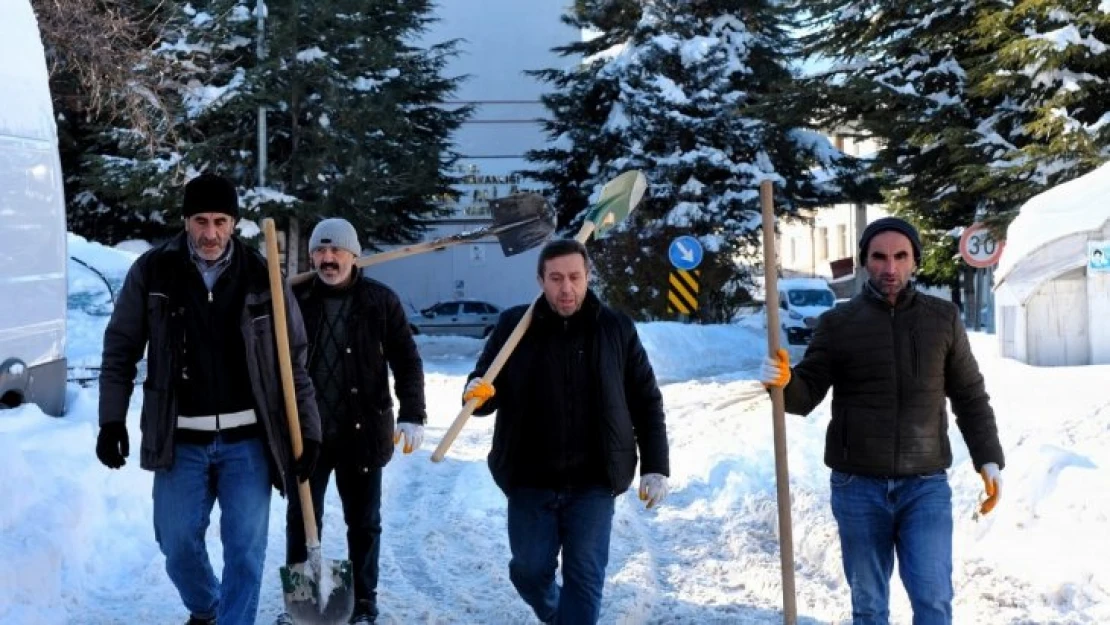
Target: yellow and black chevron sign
{"points": [[682, 294]]}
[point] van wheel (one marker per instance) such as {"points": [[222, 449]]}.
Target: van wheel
{"points": [[486, 332]]}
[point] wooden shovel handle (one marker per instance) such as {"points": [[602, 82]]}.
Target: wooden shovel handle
{"points": [[778, 405], [285, 364], [498, 362], [381, 257]]}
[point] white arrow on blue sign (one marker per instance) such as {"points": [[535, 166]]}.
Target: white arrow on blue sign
{"points": [[685, 252]]}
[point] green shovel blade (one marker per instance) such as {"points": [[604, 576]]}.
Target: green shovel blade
{"points": [[618, 198]]}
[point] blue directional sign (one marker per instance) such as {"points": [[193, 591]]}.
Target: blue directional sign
{"points": [[685, 253]]}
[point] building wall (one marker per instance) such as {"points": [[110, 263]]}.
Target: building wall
{"points": [[500, 41]]}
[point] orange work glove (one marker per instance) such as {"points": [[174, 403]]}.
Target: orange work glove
{"points": [[775, 370], [478, 389], [992, 485]]}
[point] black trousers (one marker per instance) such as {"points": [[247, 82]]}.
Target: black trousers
{"points": [[361, 495]]}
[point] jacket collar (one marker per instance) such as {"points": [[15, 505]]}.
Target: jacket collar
{"points": [[589, 312], [904, 300]]}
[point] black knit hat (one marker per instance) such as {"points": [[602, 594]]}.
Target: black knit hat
{"points": [[209, 193], [887, 224]]}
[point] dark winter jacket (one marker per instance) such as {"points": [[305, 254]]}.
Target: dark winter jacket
{"points": [[540, 419], [153, 311], [377, 336], [891, 368]]}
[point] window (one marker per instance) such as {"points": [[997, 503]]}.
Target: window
{"points": [[474, 308], [446, 308], [821, 243], [841, 241]]}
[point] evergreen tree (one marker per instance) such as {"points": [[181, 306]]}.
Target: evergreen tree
{"points": [[1053, 68], [358, 125], [694, 98], [901, 73], [354, 111]]}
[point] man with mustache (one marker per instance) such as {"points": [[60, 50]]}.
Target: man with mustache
{"points": [[892, 357], [213, 416], [356, 328], [574, 402]]}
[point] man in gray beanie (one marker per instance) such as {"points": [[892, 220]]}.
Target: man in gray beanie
{"points": [[356, 327], [893, 357]]}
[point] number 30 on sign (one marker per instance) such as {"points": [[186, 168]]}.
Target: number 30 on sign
{"points": [[979, 248]]}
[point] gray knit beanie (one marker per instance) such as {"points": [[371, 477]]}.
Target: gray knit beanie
{"points": [[335, 232]]}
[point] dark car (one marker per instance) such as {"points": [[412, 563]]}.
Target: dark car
{"points": [[462, 317]]}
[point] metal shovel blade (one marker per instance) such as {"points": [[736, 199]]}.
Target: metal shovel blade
{"points": [[318, 592], [529, 220]]}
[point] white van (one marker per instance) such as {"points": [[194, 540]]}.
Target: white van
{"points": [[801, 302], [32, 222]]}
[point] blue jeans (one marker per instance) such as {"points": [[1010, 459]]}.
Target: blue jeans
{"points": [[238, 476], [541, 522], [912, 516]]}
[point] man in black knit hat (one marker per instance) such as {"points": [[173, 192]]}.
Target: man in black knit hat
{"points": [[892, 357], [357, 333], [213, 419]]}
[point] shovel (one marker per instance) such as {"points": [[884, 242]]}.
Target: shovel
{"points": [[618, 198], [520, 222], [317, 591]]}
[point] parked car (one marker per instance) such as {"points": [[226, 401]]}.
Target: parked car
{"points": [[802, 300], [463, 317]]}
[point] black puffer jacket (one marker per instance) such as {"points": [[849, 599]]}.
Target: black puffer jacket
{"points": [[378, 335], [149, 314], [625, 398], [891, 368]]}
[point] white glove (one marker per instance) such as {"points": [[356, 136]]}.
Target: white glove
{"points": [[992, 486], [412, 433], [653, 488], [775, 370]]}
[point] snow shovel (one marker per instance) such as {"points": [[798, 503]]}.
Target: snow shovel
{"points": [[317, 591], [778, 405], [520, 222], [619, 196]]}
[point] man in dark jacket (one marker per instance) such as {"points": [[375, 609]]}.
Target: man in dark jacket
{"points": [[892, 356], [356, 328], [573, 402], [213, 420]]}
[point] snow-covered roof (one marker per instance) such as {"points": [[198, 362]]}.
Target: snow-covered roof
{"points": [[1078, 206]]}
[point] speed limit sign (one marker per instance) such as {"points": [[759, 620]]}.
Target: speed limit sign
{"points": [[979, 248]]}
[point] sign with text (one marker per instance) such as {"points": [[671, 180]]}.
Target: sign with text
{"points": [[979, 248]]}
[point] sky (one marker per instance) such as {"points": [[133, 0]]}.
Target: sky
{"points": [[78, 545]]}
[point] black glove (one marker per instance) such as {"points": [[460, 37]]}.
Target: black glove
{"points": [[112, 445], [303, 466]]}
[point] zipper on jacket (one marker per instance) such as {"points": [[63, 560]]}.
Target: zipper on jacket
{"points": [[897, 397], [915, 364]]}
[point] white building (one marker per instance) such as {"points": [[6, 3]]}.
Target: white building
{"points": [[501, 39], [816, 242], [1052, 289]]}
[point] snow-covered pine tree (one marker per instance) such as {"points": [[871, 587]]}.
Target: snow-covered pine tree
{"points": [[1052, 66], [358, 126], [692, 98], [901, 72]]}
